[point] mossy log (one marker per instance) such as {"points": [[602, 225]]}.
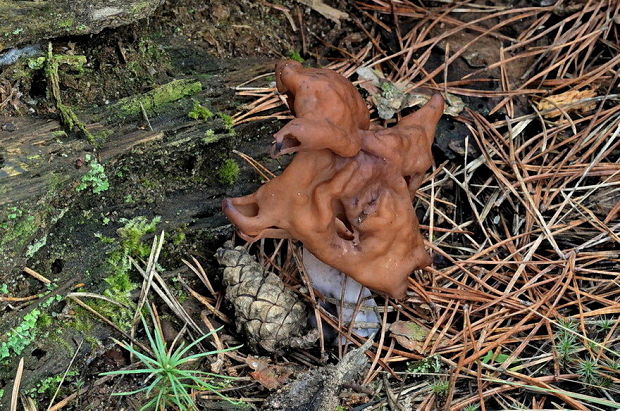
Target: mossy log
{"points": [[157, 162], [25, 22]]}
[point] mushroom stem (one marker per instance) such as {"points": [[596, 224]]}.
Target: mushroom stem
{"points": [[335, 285]]}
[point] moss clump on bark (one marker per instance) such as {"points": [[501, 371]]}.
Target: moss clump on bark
{"points": [[159, 96], [228, 173], [199, 112]]}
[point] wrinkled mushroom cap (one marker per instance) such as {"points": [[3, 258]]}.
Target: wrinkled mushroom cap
{"points": [[347, 193]]}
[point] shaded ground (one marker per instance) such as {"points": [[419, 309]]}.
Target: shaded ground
{"points": [[500, 252]]}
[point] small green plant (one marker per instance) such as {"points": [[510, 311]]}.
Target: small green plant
{"points": [[566, 340], [95, 177], [199, 112], [48, 385], [430, 364], [588, 371], [4, 289], [170, 374], [566, 347], [567, 325], [20, 337], [472, 407], [605, 324], [14, 213], [440, 387], [228, 172]]}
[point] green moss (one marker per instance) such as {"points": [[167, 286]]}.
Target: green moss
{"points": [[66, 23], [44, 320], [199, 112], [81, 321], [294, 55], [440, 387], [228, 173], [118, 267], [132, 232], [210, 137], [36, 63], [155, 98], [102, 135], [51, 66], [179, 238], [17, 233], [56, 181], [73, 62], [141, 7], [59, 133], [148, 183], [71, 121], [14, 213], [95, 178], [229, 122]]}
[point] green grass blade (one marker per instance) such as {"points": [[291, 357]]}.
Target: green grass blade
{"points": [[574, 395], [125, 372]]}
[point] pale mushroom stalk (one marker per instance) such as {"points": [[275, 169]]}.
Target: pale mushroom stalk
{"points": [[333, 284]]}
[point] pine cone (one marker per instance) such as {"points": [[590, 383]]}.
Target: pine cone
{"points": [[269, 315]]}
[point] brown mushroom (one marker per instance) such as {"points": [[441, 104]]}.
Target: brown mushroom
{"points": [[347, 193]]}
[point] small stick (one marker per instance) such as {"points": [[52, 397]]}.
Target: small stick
{"points": [[19, 299], [16, 383], [65, 375], [36, 275], [146, 117]]}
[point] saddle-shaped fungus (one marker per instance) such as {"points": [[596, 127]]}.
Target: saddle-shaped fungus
{"points": [[346, 195]]}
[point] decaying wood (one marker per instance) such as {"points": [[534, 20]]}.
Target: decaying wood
{"points": [[26, 22]]}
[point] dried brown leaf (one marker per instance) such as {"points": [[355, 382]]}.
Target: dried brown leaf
{"points": [[409, 334], [268, 375], [566, 101]]}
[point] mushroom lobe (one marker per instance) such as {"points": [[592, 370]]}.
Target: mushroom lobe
{"points": [[347, 193]]}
